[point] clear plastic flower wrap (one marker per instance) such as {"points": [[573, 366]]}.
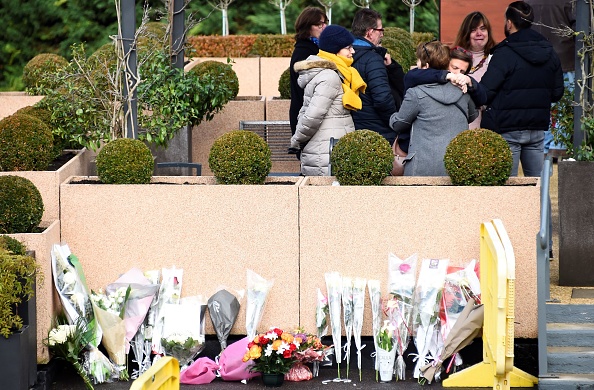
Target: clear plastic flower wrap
{"points": [[334, 287], [347, 312], [426, 311], [257, 292], [183, 329], [169, 293], [399, 304], [359, 285]]}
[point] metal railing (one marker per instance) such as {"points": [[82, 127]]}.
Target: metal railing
{"points": [[543, 268]]}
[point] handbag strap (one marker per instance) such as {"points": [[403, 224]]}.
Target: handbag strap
{"points": [[461, 109]]}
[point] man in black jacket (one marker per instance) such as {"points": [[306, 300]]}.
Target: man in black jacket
{"points": [[523, 79], [384, 76]]}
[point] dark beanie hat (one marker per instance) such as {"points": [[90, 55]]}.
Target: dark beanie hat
{"points": [[334, 38]]}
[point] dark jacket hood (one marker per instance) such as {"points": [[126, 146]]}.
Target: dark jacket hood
{"points": [[528, 44], [361, 45]]}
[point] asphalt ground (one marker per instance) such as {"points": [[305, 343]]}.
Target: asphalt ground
{"points": [[64, 377]]}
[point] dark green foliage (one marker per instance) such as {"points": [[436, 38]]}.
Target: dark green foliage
{"points": [[284, 84], [21, 205], [478, 157], [17, 282], [240, 157], [125, 161], [362, 158], [400, 46], [26, 144], [12, 245], [37, 70], [273, 46], [421, 37], [223, 73], [46, 117]]}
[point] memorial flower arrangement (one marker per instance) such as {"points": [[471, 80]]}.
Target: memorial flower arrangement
{"points": [[273, 352], [182, 347], [68, 342]]}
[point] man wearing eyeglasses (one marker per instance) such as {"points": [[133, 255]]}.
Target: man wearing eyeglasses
{"points": [[384, 76]]}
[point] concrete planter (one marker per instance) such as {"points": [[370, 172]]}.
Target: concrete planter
{"points": [[277, 109], [271, 69], [244, 108], [576, 225], [352, 229], [214, 232], [48, 182], [47, 300], [11, 102]]}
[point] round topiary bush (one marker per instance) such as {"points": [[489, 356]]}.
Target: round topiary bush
{"points": [[478, 157], [12, 245], [37, 74], [26, 144], [240, 157], [401, 47], [219, 71], [46, 117], [125, 161], [362, 158], [21, 205], [284, 84]]}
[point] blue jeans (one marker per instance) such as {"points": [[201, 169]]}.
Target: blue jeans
{"points": [[526, 146], [549, 142]]}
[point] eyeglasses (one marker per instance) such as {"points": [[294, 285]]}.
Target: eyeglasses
{"points": [[463, 50], [322, 24], [378, 29], [425, 47]]}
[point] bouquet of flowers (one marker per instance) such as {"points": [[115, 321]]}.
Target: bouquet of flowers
{"points": [[399, 305], [257, 291], [334, 286], [68, 342], [347, 312], [386, 352], [311, 350], [272, 352], [373, 285], [183, 329], [426, 311], [321, 324], [169, 292], [359, 285]]}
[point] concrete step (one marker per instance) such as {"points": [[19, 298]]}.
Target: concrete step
{"points": [[570, 334], [566, 382], [570, 360], [558, 313]]}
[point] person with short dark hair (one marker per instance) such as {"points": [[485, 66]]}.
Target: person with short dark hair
{"points": [[523, 79], [432, 114], [383, 75], [309, 25]]}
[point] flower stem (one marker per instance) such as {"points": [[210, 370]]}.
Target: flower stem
{"points": [[80, 370]]}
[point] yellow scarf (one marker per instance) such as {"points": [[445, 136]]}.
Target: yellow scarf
{"points": [[352, 83]]}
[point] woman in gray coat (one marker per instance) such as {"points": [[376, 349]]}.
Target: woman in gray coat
{"points": [[331, 89], [433, 114]]}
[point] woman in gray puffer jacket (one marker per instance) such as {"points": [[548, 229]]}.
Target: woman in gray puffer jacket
{"points": [[331, 89]]}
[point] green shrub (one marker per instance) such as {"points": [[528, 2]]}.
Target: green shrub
{"points": [[18, 274], [240, 157], [284, 84], [421, 37], [362, 158], [223, 73], [12, 245], [38, 68], [400, 46], [273, 46], [46, 117], [21, 205], [478, 157], [125, 161], [26, 144]]}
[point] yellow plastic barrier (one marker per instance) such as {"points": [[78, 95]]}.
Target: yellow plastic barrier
{"points": [[163, 375], [498, 274]]}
